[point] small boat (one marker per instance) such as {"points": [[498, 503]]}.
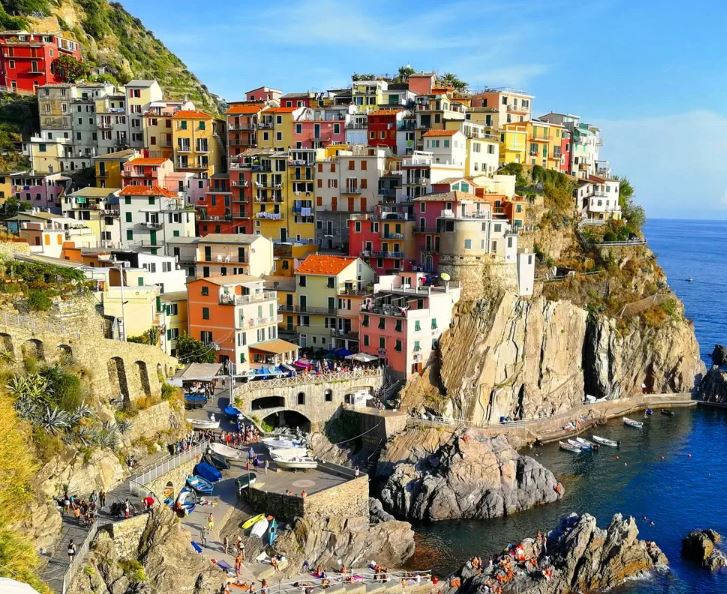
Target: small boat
{"points": [[216, 460], [577, 444], [225, 451], [289, 452], [260, 527], [207, 471], [186, 501], [586, 444], [199, 484], [648, 412], [667, 413], [281, 444], [689, 279], [204, 423], [232, 412], [631, 423], [272, 531], [245, 480], [564, 445], [604, 441], [251, 521], [294, 462]]}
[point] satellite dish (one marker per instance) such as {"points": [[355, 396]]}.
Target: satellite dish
{"points": [[444, 276]]}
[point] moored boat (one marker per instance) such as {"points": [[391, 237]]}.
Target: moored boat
{"points": [[577, 444], [252, 521], [564, 445], [186, 501], [213, 459], [232, 411], [586, 444], [225, 451], [278, 443], [294, 462], [199, 484], [631, 423], [604, 441], [204, 423]]}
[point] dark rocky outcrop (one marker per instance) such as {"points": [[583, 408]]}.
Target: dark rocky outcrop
{"points": [[438, 474], [579, 557], [719, 355], [377, 513], [700, 546], [713, 387]]}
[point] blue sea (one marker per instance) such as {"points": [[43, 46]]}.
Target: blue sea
{"points": [[672, 476]]}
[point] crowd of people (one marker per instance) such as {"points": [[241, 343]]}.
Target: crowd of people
{"points": [[84, 511], [529, 557]]}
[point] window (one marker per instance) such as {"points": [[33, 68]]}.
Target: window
{"points": [[331, 282], [129, 235], [382, 323], [202, 125], [397, 346], [328, 395], [205, 313], [417, 326], [205, 336], [301, 398], [183, 125], [468, 244], [365, 321], [205, 291], [382, 343], [417, 346], [128, 217], [434, 323], [301, 281], [397, 326], [366, 340]]}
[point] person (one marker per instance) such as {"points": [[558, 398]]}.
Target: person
{"points": [[267, 465], [127, 508], [226, 543], [238, 564], [303, 494], [203, 536], [264, 587], [356, 471], [210, 522], [71, 552]]}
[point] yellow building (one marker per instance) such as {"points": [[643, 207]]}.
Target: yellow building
{"points": [[320, 280], [158, 135], [45, 155], [198, 140], [133, 308], [6, 187], [173, 319], [544, 144], [276, 128], [109, 167], [367, 95], [300, 193], [514, 143]]}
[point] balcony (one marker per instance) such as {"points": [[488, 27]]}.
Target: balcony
{"points": [[308, 309], [258, 322], [394, 255], [274, 199], [517, 109], [229, 299], [240, 184], [386, 235], [351, 190], [151, 225], [185, 148], [265, 125], [273, 216]]}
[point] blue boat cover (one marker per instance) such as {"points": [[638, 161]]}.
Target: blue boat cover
{"points": [[207, 471]]}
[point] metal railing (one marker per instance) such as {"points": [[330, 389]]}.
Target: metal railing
{"points": [[310, 378], [139, 481], [81, 552]]}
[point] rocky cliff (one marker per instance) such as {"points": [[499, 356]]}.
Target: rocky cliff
{"points": [[434, 474], [713, 388], [528, 358], [578, 557]]}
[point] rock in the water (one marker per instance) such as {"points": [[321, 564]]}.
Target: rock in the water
{"points": [[699, 546], [713, 387], [353, 541], [578, 557], [719, 355], [377, 513], [435, 474]]}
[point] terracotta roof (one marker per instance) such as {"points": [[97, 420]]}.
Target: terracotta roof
{"points": [[429, 133], [230, 279], [147, 191], [148, 161], [191, 114], [244, 108], [320, 264], [281, 109]]}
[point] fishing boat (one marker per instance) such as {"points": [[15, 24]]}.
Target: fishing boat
{"points": [[631, 423], [260, 527], [294, 462], [199, 484], [278, 443], [225, 451], [586, 444], [216, 460], [252, 521], [604, 441], [667, 413], [203, 424], [564, 445], [186, 501], [232, 412], [577, 444]]}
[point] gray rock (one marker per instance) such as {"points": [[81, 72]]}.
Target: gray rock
{"points": [[700, 546], [461, 475], [582, 557], [377, 513], [719, 355], [713, 387]]}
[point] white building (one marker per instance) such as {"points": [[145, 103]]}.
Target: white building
{"points": [[148, 216], [449, 153], [597, 199], [162, 271]]}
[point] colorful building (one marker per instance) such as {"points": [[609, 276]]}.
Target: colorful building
{"points": [[199, 143], [402, 320], [222, 254], [383, 126], [98, 208], [242, 123], [109, 166], [384, 240], [275, 127], [512, 106], [40, 191], [318, 127], [514, 143]]}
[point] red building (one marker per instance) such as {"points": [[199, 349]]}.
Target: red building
{"points": [[214, 210], [382, 128], [241, 196], [26, 59], [565, 144], [384, 240]]}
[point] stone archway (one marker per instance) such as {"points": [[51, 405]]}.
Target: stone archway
{"points": [[143, 377], [289, 418], [267, 402], [33, 349], [117, 377], [65, 352]]}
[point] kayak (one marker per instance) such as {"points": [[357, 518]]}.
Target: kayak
{"points": [[667, 413], [604, 441], [249, 523], [631, 423], [564, 445], [260, 527], [199, 484], [272, 531]]}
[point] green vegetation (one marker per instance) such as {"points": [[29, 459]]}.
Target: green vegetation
{"points": [[133, 569], [69, 69], [151, 337], [191, 350], [39, 284], [449, 79], [18, 119], [633, 214]]}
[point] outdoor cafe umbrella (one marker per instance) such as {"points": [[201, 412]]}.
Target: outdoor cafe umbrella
{"points": [[362, 357]]}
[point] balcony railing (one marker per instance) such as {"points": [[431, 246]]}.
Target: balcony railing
{"points": [[228, 299], [308, 309]]}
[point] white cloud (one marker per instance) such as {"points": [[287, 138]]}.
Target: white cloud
{"points": [[675, 162]]}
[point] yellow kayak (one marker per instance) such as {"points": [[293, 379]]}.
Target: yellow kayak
{"points": [[254, 520]]}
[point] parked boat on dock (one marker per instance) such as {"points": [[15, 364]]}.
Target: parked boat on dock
{"points": [[631, 423], [225, 451], [204, 424], [294, 462], [586, 444], [199, 484]]}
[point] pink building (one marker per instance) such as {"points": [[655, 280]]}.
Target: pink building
{"points": [[317, 128], [403, 320], [40, 191], [146, 171], [384, 240], [263, 94]]}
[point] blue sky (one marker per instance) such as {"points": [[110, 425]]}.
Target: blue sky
{"points": [[649, 73]]}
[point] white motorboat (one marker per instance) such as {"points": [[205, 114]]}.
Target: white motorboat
{"points": [[631, 423], [294, 462], [289, 452], [579, 445], [564, 445], [225, 451], [604, 441], [586, 444], [259, 528], [204, 423], [279, 443]]}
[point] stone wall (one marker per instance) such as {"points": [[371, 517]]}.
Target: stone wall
{"points": [[127, 534], [377, 426], [150, 421], [10, 248]]}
